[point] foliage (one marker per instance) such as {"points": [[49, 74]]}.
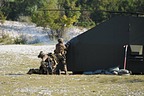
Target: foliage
{"points": [[2, 14], [16, 8], [20, 40], [47, 18], [68, 20], [71, 5], [24, 19], [99, 8], [2, 17], [6, 39], [56, 20]]}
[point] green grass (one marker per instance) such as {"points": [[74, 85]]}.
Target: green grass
{"points": [[15, 82]]}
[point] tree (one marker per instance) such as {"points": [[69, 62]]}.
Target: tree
{"points": [[2, 17], [2, 14], [48, 19], [55, 20], [102, 8]]}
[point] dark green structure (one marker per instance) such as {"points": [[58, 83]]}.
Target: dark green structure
{"points": [[102, 47]]}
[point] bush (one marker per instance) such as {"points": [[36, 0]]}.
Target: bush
{"points": [[24, 19], [86, 24], [2, 18], [20, 40], [6, 39]]}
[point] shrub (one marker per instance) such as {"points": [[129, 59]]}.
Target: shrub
{"points": [[20, 40], [2, 17], [24, 19], [6, 39]]}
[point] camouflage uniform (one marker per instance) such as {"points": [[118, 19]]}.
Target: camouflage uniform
{"points": [[48, 63], [60, 53]]}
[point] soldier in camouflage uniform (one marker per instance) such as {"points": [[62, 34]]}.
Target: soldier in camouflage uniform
{"points": [[48, 63], [60, 52]]}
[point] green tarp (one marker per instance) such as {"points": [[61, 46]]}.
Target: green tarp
{"points": [[103, 46]]}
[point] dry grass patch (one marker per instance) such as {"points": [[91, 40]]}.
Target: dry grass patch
{"points": [[15, 82], [72, 85]]}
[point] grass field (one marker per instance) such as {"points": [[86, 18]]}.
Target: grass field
{"points": [[15, 82]]}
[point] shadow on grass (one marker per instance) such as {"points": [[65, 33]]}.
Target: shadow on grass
{"points": [[11, 74]]}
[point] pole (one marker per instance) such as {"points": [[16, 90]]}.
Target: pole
{"points": [[125, 59]]}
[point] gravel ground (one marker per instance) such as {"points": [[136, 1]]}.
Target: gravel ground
{"points": [[16, 60], [26, 49], [33, 33], [14, 56]]}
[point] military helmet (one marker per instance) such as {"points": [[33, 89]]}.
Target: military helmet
{"points": [[41, 54], [60, 40]]}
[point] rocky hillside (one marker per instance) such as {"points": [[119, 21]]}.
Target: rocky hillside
{"points": [[32, 33]]}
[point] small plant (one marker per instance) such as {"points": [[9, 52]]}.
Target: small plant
{"points": [[17, 40], [24, 19], [2, 18], [20, 40], [6, 39]]}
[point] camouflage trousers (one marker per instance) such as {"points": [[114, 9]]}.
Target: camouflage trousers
{"points": [[62, 63]]}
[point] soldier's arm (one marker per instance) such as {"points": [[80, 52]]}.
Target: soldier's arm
{"points": [[44, 58], [64, 47]]}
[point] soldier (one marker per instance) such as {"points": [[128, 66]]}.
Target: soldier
{"points": [[42, 56], [60, 52], [47, 64]]}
